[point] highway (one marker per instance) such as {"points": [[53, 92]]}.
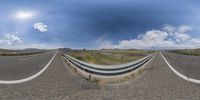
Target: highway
{"points": [[19, 67], [60, 82], [187, 65]]}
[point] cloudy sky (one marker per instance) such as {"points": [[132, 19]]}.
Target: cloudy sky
{"points": [[96, 24]]}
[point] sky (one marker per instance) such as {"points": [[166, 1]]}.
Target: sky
{"points": [[100, 24]]}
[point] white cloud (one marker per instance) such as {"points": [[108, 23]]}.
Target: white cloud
{"points": [[13, 41], [40, 27], [35, 45], [184, 28], [169, 28], [181, 37], [44, 46], [10, 39], [169, 37]]}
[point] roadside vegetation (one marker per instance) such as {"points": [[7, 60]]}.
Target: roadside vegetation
{"points": [[192, 52], [4, 52], [108, 56]]}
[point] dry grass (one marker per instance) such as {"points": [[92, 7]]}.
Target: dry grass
{"points": [[192, 52], [108, 57]]}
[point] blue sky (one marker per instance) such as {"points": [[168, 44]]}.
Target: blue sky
{"points": [[97, 24]]}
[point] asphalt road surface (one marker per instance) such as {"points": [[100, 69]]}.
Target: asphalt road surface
{"points": [[185, 64], [60, 82], [19, 67]]}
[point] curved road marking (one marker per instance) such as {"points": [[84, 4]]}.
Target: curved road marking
{"points": [[179, 74], [31, 77]]}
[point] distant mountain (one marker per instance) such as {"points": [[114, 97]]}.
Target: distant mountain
{"points": [[6, 50], [32, 50], [65, 49]]}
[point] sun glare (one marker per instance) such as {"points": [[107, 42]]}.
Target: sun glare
{"points": [[24, 15]]}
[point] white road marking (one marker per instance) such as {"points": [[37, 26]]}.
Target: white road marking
{"points": [[179, 74], [31, 77]]}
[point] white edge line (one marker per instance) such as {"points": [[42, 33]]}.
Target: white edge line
{"points": [[179, 74], [31, 77]]}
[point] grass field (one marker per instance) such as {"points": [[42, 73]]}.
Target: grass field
{"points": [[192, 52], [108, 57]]}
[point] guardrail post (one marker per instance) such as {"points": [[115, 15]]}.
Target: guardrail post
{"points": [[89, 78]]}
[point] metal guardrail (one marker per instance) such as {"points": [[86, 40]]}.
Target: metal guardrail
{"points": [[108, 70]]}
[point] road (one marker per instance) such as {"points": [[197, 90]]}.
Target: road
{"points": [[55, 83], [60, 82], [187, 65], [19, 67]]}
